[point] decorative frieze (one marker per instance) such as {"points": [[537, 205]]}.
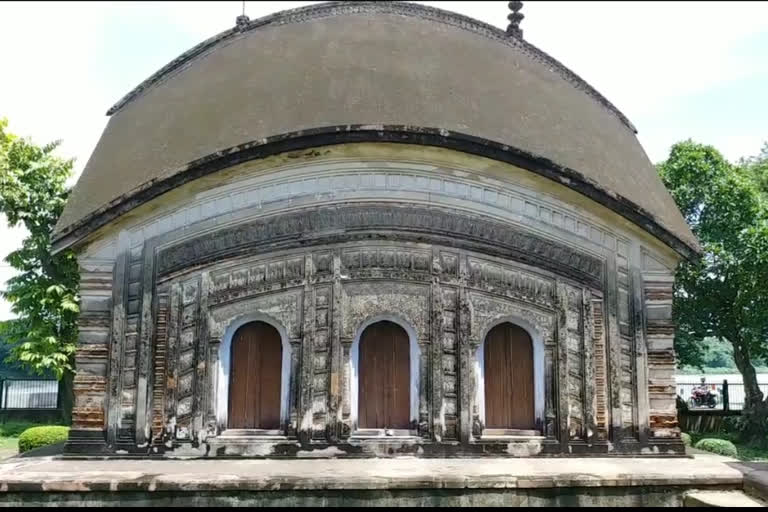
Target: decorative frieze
{"points": [[350, 222], [512, 282]]}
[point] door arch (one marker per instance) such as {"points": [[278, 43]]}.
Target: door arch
{"points": [[255, 379], [384, 399], [509, 378]]}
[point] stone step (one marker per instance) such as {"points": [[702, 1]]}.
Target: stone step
{"points": [[720, 499]]}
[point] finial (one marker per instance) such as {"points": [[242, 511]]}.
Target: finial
{"points": [[242, 20], [515, 17]]}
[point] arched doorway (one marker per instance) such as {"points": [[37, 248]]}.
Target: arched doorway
{"points": [[255, 377], [384, 377], [508, 375]]}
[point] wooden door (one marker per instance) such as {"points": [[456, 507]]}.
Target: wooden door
{"points": [[255, 377], [509, 395], [384, 399]]}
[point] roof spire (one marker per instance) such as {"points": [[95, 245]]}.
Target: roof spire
{"points": [[515, 17], [242, 20]]}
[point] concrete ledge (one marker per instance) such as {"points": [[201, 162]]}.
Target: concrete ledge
{"points": [[55, 475]]}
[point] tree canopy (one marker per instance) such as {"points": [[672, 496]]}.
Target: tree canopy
{"points": [[44, 292], [723, 294]]}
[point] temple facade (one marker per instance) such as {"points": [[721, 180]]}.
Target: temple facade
{"points": [[372, 229]]}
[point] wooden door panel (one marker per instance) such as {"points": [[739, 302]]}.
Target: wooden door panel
{"points": [[255, 380], [509, 394], [384, 377]]}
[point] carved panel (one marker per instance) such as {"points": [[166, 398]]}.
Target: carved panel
{"points": [[361, 301], [321, 367], [187, 351], [450, 354], [255, 278], [285, 307], [351, 221], [386, 261], [510, 281], [488, 310]]}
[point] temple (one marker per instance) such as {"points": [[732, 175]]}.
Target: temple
{"points": [[368, 229]]}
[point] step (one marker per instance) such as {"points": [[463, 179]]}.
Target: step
{"points": [[720, 499]]}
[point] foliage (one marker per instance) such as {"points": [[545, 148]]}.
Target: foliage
{"points": [[748, 451], [717, 357], [9, 368], [15, 428], [756, 170], [37, 437], [44, 293], [719, 446], [723, 294], [685, 438]]}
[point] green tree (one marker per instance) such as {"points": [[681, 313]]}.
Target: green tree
{"points": [[756, 169], [723, 294], [43, 294]]}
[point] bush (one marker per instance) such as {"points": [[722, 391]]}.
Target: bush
{"points": [[37, 437], [686, 438], [719, 446]]}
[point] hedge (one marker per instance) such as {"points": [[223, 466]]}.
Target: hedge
{"points": [[686, 438], [37, 437], [719, 446]]}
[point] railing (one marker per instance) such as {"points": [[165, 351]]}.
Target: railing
{"points": [[729, 396], [29, 394]]}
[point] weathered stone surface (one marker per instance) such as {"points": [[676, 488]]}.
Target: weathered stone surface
{"points": [[616, 482], [720, 499]]}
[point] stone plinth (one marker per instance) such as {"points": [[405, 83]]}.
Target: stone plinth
{"points": [[399, 481]]}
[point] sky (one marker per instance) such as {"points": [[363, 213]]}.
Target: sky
{"points": [[677, 70]]}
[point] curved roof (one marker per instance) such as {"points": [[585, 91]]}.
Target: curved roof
{"points": [[340, 72]]}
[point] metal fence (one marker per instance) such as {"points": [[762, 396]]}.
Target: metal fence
{"points": [[29, 394], [729, 395]]}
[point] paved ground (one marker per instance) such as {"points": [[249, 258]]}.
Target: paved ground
{"points": [[51, 474]]}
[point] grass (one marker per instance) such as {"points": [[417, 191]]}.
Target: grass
{"points": [[9, 436], [747, 452]]}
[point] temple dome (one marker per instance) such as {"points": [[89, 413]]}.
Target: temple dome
{"points": [[347, 72]]}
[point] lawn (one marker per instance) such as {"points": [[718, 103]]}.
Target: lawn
{"points": [[747, 452], [9, 436]]}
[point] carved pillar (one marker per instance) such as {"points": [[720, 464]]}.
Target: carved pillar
{"points": [[90, 383], [336, 355], [602, 413], [117, 339], [144, 353], [562, 365], [613, 345], [304, 381], [159, 368], [436, 347], [202, 392], [660, 331], [640, 360], [587, 340], [294, 389], [465, 355]]}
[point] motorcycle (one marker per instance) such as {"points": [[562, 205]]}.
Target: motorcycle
{"points": [[703, 397]]}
